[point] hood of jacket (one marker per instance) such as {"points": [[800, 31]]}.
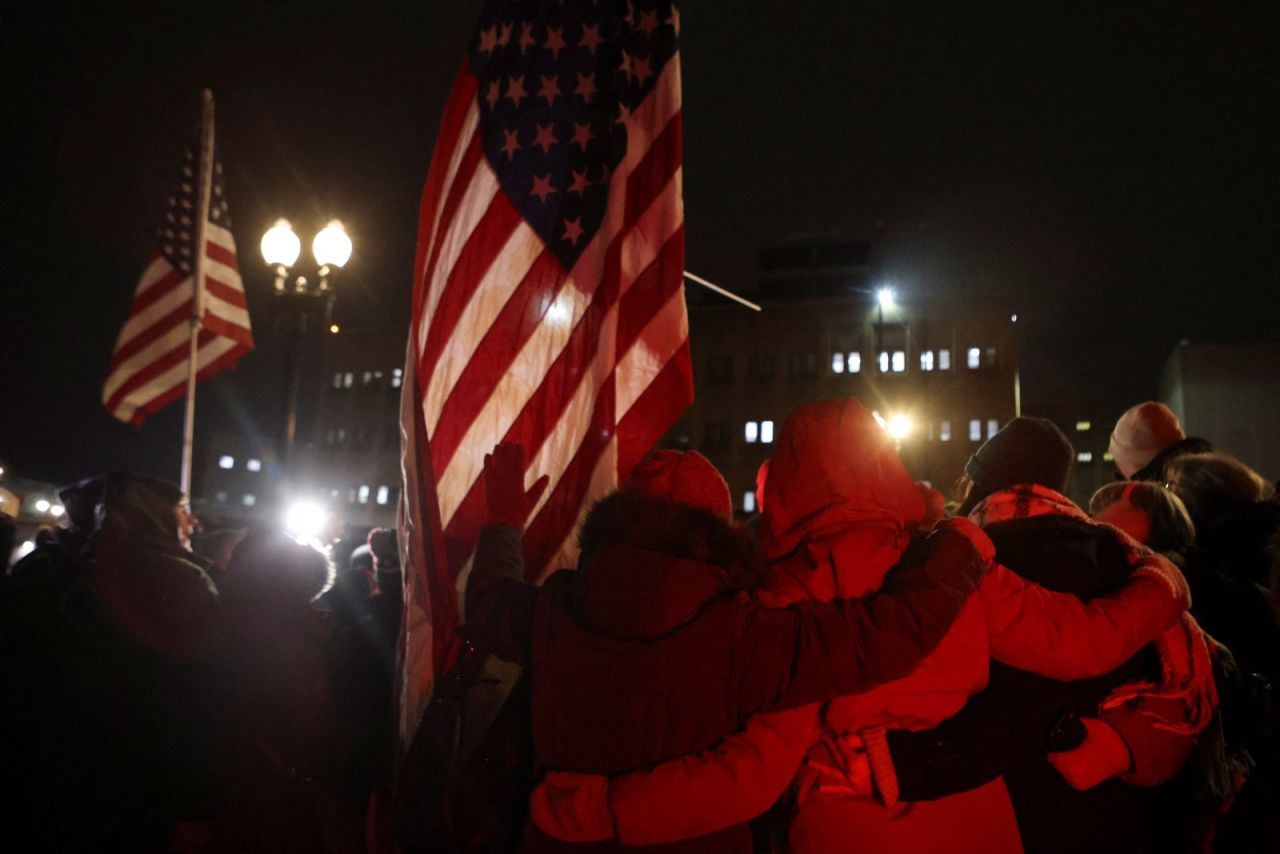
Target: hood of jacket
{"points": [[649, 565], [834, 468]]}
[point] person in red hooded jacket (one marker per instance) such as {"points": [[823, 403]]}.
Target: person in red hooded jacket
{"points": [[841, 511]]}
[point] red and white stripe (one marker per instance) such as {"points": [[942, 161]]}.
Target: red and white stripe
{"points": [[587, 368], [149, 364]]}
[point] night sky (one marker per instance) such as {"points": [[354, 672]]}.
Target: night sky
{"points": [[1115, 172]]}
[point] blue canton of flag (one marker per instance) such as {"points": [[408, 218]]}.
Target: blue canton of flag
{"points": [[556, 84]]}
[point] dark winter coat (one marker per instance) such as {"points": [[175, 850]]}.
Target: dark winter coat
{"points": [[1233, 611], [1156, 469], [109, 720], [1004, 730], [653, 650]]}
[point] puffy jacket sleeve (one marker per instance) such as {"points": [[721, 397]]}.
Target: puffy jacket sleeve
{"points": [[729, 784], [499, 603], [811, 651], [1057, 635]]}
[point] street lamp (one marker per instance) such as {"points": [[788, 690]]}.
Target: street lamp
{"points": [[331, 248], [885, 297]]}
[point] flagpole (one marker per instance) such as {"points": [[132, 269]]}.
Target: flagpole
{"points": [[730, 294], [197, 286]]}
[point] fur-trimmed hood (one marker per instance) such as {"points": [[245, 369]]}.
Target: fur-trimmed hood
{"points": [[649, 565]]}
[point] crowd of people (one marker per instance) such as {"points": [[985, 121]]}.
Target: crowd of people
{"points": [[866, 665]]}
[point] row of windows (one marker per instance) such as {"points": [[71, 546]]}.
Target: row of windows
{"points": [[361, 438], [228, 462], [361, 494], [762, 366], [716, 435], [368, 379]]}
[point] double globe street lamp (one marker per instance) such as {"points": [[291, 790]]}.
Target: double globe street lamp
{"points": [[300, 299]]}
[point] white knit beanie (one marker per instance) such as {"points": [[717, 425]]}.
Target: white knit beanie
{"points": [[1141, 433]]}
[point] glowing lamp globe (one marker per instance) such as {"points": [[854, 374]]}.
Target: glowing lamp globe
{"points": [[332, 246], [885, 297], [280, 246]]}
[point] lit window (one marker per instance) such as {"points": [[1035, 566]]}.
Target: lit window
{"points": [[973, 358], [926, 360], [337, 380], [1083, 426], [1084, 457], [334, 493], [944, 431], [384, 493], [993, 427], [751, 432], [944, 360], [351, 496], [254, 465], [991, 357], [766, 432], [837, 363], [220, 497], [226, 461], [366, 378], [899, 361], [363, 494], [1107, 457], [748, 502], [397, 377], [975, 430], [348, 379], [883, 361], [853, 363], [249, 499]]}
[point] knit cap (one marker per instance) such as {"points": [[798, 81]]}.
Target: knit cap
{"points": [[685, 477], [1027, 450], [1141, 433]]}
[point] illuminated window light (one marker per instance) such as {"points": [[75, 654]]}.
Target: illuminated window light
{"points": [[1083, 426], [1084, 457], [766, 432], [384, 494], [748, 502], [899, 361], [751, 432], [883, 362], [944, 360], [226, 461], [973, 358], [993, 427], [975, 429], [249, 499], [926, 360], [853, 363], [837, 363], [944, 431], [253, 465]]}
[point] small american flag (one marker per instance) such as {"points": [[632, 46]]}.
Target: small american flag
{"points": [[548, 303], [149, 364]]}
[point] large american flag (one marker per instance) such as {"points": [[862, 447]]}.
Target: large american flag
{"points": [[149, 365], [548, 304]]}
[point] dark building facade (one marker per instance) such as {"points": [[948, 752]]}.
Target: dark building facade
{"points": [[941, 374]]}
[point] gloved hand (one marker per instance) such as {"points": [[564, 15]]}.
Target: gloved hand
{"points": [[1102, 756], [504, 494], [572, 807]]}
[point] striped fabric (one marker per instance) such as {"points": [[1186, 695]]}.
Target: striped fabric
{"points": [[149, 365], [548, 305]]}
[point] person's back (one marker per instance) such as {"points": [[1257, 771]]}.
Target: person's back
{"points": [[1069, 555]]}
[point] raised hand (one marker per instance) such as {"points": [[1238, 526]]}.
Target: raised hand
{"points": [[504, 493]]}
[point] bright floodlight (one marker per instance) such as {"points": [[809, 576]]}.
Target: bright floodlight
{"points": [[332, 246], [280, 246], [42, 506], [304, 520], [899, 427], [885, 297]]}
